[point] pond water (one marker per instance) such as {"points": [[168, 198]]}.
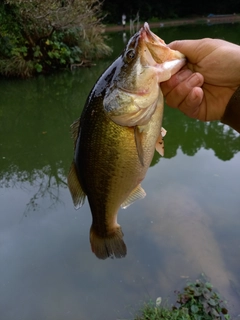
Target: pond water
{"points": [[186, 226]]}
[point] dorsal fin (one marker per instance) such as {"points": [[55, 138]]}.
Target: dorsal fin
{"points": [[75, 130], [75, 188], [137, 193]]}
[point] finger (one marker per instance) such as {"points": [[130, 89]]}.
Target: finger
{"points": [[169, 85], [179, 93], [189, 48], [192, 105]]}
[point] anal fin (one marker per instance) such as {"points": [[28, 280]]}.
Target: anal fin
{"points": [[75, 188], [75, 130], [137, 193]]}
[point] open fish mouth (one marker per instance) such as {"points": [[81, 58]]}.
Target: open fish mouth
{"points": [[132, 100], [159, 50], [149, 36]]}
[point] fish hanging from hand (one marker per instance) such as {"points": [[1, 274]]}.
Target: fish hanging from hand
{"points": [[116, 136]]}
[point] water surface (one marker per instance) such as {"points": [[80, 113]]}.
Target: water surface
{"points": [[188, 223]]}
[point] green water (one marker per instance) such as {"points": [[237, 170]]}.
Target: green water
{"points": [[187, 224]]}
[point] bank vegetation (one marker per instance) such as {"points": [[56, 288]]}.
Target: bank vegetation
{"points": [[39, 36]]}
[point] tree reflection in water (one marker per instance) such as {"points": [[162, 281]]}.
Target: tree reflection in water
{"points": [[35, 135], [191, 135]]}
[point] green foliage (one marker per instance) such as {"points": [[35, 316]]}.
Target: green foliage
{"points": [[38, 37], [198, 301], [153, 312], [202, 302]]}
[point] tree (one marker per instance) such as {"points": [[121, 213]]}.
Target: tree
{"points": [[41, 35], [165, 9]]}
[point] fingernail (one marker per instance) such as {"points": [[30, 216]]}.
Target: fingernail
{"points": [[194, 80], [183, 75]]}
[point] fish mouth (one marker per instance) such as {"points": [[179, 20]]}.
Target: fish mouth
{"points": [[159, 50], [148, 35], [155, 54], [133, 101]]}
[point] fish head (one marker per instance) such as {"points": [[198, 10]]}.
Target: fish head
{"points": [[134, 91]]}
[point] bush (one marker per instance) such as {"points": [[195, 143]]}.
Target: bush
{"points": [[41, 36]]}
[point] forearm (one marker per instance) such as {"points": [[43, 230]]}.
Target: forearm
{"points": [[231, 115]]}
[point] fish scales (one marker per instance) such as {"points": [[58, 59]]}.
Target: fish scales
{"points": [[116, 137], [109, 185]]}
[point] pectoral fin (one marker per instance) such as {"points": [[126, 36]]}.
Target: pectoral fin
{"points": [[75, 188], [138, 141], [137, 193], [160, 142]]}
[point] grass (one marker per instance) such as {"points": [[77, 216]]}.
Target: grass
{"points": [[152, 312]]}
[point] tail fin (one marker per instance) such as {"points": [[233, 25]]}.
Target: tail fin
{"points": [[110, 246]]}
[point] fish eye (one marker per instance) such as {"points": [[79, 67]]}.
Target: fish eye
{"points": [[130, 54]]}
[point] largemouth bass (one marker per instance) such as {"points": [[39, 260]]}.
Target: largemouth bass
{"points": [[116, 136]]}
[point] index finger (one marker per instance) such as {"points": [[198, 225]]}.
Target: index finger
{"points": [[190, 48]]}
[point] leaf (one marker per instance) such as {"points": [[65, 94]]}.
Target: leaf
{"points": [[208, 285], [37, 52], [38, 67], [215, 313], [198, 292], [206, 307], [194, 308], [207, 295], [212, 302]]}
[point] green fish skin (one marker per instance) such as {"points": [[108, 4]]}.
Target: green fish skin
{"points": [[117, 134]]}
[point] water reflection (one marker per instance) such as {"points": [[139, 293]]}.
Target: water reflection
{"points": [[35, 134], [187, 224], [35, 130], [194, 135]]}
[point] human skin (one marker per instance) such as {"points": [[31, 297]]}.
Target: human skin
{"points": [[203, 88]]}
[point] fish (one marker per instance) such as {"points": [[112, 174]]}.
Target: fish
{"points": [[116, 136]]}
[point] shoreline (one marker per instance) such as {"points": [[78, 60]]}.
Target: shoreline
{"points": [[230, 18]]}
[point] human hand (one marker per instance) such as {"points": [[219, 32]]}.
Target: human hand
{"points": [[204, 86]]}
